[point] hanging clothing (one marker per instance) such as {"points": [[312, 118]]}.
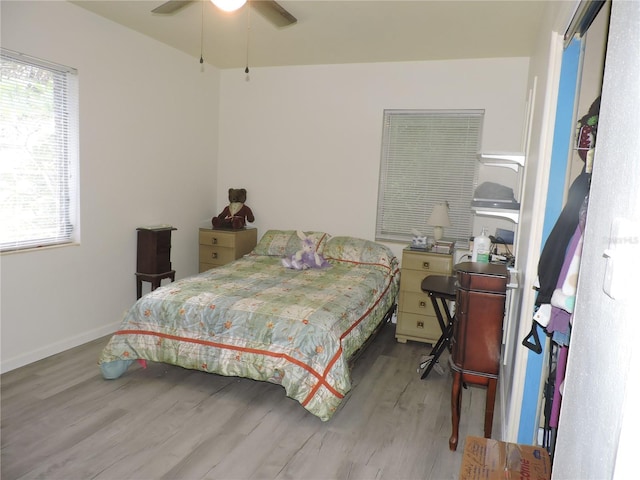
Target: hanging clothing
{"points": [[563, 298], [563, 352], [555, 248]]}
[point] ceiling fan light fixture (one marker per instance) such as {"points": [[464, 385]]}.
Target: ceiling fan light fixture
{"points": [[229, 5]]}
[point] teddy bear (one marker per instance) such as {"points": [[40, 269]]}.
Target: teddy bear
{"points": [[236, 214], [306, 257]]}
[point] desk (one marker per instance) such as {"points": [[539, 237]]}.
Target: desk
{"points": [[443, 288]]}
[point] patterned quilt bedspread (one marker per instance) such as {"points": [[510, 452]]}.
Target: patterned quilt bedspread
{"points": [[254, 318]]}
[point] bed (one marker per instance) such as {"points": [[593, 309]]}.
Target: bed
{"points": [[256, 319]]}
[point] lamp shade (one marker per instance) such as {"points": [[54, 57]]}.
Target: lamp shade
{"points": [[439, 218]]}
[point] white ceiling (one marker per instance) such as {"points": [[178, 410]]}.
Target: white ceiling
{"points": [[336, 31]]}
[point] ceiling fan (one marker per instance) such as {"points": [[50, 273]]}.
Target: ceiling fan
{"points": [[270, 9]]}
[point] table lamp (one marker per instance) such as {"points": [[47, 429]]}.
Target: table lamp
{"points": [[439, 219]]}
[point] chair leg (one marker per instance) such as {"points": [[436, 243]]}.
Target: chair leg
{"points": [[488, 409], [456, 398], [437, 350]]}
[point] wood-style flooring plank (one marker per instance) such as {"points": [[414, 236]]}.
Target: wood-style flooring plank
{"points": [[61, 420]]}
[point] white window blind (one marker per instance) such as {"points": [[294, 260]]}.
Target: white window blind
{"points": [[428, 157], [38, 153]]}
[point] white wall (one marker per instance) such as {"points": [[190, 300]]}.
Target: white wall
{"points": [[305, 141], [148, 129]]}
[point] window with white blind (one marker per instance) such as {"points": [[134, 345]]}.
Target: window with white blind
{"points": [[38, 153], [428, 157]]}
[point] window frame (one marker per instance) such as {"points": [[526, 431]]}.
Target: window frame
{"points": [[40, 145], [405, 177]]}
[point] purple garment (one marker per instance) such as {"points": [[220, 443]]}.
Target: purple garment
{"points": [[561, 366], [559, 321]]}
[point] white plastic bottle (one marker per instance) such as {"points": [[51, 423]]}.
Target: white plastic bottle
{"points": [[481, 247]]}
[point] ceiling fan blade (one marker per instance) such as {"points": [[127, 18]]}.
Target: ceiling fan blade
{"points": [[274, 12], [270, 9], [171, 6]]}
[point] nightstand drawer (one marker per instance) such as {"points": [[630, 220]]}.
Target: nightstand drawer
{"points": [[219, 247], [418, 303], [217, 238], [432, 263], [424, 328], [411, 280], [216, 255]]}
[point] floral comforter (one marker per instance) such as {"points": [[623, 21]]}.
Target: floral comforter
{"points": [[254, 318]]}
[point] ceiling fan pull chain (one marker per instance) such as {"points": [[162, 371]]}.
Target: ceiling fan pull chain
{"points": [[246, 70], [201, 32]]}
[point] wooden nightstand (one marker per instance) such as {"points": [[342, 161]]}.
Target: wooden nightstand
{"points": [[219, 247], [416, 317]]}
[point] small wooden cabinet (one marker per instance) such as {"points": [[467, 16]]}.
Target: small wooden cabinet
{"points": [[154, 256], [416, 317], [154, 249], [477, 336], [219, 247]]}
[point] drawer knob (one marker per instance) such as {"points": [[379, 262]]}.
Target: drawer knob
{"points": [[422, 304], [420, 324], [214, 255], [214, 241], [425, 265]]}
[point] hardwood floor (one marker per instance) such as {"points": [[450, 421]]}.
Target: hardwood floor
{"points": [[61, 420]]}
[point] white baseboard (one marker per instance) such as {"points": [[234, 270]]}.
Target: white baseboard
{"points": [[54, 348]]}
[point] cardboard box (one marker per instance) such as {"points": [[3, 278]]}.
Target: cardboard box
{"points": [[488, 459]]}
